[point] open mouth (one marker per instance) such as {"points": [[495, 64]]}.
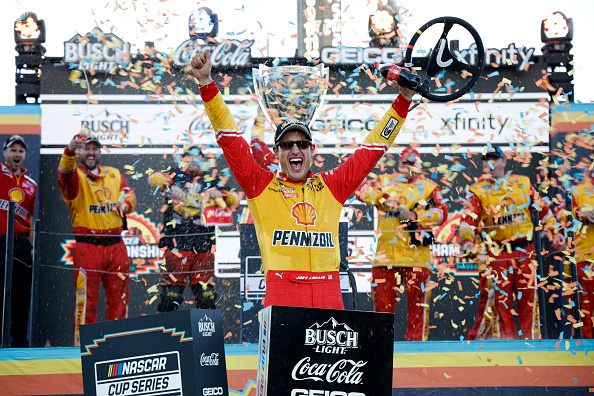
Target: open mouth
{"points": [[296, 164]]}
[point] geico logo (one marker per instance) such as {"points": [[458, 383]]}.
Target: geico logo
{"points": [[315, 392], [212, 391]]}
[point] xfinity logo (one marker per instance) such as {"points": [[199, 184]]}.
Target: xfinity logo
{"points": [[331, 337]]}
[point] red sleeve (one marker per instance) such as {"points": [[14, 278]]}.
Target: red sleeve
{"points": [[68, 179], [439, 204], [471, 219], [544, 212], [262, 154], [344, 180]]}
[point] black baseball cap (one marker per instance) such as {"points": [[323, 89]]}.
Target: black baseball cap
{"points": [[92, 139], [291, 125], [492, 153], [12, 140]]}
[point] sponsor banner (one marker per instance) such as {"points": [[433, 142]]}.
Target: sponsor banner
{"points": [[167, 124], [140, 375], [318, 352], [173, 353]]}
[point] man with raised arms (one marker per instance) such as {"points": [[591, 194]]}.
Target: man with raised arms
{"points": [[296, 213]]}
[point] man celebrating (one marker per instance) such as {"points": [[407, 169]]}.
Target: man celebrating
{"points": [[295, 212], [98, 198], [498, 208], [189, 232], [409, 206], [17, 187]]}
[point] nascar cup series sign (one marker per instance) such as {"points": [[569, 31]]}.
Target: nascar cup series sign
{"points": [[174, 353], [307, 352]]}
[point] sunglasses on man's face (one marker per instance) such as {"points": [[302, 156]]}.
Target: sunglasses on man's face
{"points": [[288, 144]]}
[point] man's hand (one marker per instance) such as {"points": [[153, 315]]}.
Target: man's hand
{"points": [[468, 250], [586, 214], [407, 215], [201, 67], [407, 93], [558, 243], [77, 143], [177, 194], [122, 208]]}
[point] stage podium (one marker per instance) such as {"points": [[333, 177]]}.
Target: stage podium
{"points": [[173, 353], [309, 351]]}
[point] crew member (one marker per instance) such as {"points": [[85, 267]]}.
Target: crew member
{"points": [[409, 206], [583, 210], [196, 202], [17, 187], [98, 198], [498, 210], [295, 212]]}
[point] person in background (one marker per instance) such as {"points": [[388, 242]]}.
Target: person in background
{"points": [[17, 187], [583, 210], [196, 203], [295, 212], [98, 198], [497, 208], [409, 206]]}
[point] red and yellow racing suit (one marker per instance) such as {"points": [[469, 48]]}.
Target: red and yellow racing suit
{"points": [[499, 211], [398, 261], [583, 200], [297, 220], [99, 253]]}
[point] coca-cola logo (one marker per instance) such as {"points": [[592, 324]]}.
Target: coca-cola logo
{"points": [[331, 337], [209, 360], [229, 53], [343, 371]]}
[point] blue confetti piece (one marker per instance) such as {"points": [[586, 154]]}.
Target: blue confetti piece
{"points": [[495, 73], [519, 360], [247, 306], [519, 295]]}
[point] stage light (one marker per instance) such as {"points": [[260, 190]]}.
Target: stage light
{"points": [[383, 21], [556, 32], [203, 23], [556, 28], [28, 30], [383, 27]]}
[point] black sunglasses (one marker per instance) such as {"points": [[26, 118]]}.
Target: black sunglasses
{"points": [[288, 144]]}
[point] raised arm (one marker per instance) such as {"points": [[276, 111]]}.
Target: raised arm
{"points": [[236, 150]]}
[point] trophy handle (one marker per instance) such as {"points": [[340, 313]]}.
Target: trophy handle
{"points": [[260, 72]]}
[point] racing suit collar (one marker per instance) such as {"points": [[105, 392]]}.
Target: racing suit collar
{"points": [[284, 177], [87, 172]]}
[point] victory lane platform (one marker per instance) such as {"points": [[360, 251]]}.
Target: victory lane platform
{"points": [[419, 368]]}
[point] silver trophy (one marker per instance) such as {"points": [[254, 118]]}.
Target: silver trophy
{"points": [[291, 92]]}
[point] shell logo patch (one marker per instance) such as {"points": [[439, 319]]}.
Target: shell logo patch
{"points": [[16, 195], [304, 213]]}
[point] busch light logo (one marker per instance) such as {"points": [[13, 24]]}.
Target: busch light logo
{"points": [[97, 51], [331, 337], [209, 360], [206, 326], [109, 127]]}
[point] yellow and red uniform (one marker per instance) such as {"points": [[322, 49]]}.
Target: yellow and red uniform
{"points": [[583, 200], [99, 253], [297, 220], [396, 256], [499, 211]]}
